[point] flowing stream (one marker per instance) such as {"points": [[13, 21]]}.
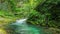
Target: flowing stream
{"points": [[21, 27]]}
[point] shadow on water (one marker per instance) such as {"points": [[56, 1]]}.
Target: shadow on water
{"points": [[21, 27]]}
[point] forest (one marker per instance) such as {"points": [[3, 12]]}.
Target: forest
{"points": [[39, 13]]}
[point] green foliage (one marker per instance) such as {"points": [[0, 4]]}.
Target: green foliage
{"points": [[51, 9], [41, 12]]}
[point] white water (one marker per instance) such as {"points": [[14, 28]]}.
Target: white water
{"points": [[21, 21], [21, 27]]}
